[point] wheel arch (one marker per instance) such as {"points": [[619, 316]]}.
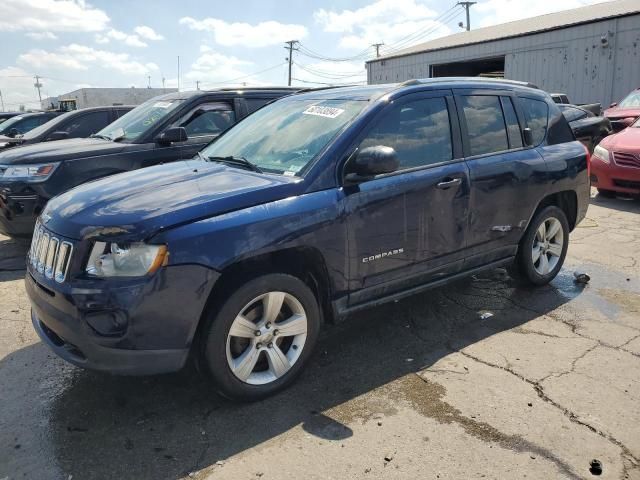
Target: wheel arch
{"points": [[566, 200], [305, 263]]}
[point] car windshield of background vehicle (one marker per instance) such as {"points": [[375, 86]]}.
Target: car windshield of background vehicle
{"points": [[132, 125], [631, 100], [8, 124], [285, 136], [47, 125]]}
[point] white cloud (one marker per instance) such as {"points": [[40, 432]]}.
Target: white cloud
{"points": [[80, 57], [212, 67], [51, 16], [494, 12], [147, 33], [42, 35], [387, 21], [263, 34], [131, 40]]}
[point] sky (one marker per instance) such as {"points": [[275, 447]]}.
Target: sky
{"points": [[72, 44]]}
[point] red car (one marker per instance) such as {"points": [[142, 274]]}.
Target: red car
{"points": [[624, 113], [615, 163]]}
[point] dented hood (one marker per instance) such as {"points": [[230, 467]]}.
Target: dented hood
{"points": [[133, 206]]}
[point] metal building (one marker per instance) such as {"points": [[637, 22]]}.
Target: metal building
{"points": [[591, 53], [99, 97]]}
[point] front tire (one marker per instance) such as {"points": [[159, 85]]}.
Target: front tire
{"points": [[543, 248], [261, 337]]}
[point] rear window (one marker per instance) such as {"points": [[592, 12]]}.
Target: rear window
{"points": [[485, 124], [536, 113]]}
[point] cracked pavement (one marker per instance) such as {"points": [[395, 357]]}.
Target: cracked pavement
{"points": [[478, 379]]}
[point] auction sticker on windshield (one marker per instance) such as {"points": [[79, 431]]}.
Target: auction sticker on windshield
{"points": [[320, 111], [162, 105]]}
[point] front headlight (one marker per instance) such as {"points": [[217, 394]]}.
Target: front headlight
{"points": [[126, 260], [30, 173], [602, 153]]}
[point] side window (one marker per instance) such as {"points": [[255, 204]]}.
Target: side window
{"points": [[208, 119], [119, 112], [30, 123], [573, 114], [536, 113], [254, 104], [84, 125], [485, 124], [513, 126], [419, 132]]}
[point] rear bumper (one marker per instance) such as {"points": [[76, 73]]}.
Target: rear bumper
{"points": [[143, 327], [615, 178]]}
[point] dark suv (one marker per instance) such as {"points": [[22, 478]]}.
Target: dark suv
{"points": [[318, 205], [75, 124], [167, 128]]}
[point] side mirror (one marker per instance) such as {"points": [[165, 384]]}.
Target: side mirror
{"points": [[528, 136], [369, 162], [57, 136], [172, 135], [614, 104], [13, 132]]}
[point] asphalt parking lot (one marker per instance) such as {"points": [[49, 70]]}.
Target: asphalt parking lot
{"points": [[480, 379]]}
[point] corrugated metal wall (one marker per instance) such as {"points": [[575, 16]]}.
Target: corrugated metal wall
{"points": [[572, 60]]}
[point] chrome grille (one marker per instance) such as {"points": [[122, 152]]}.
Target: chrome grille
{"points": [[49, 255], [626, 159]]}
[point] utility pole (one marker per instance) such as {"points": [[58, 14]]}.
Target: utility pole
{"points": [[163, 79], [178, 72], [467, 6], [197, 84], [377, 47], [38, 85], [292, 44], [149, 84], [2, 100]]}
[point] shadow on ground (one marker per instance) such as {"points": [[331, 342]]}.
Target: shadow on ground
{"points": [[622, 203], [96, 426]]}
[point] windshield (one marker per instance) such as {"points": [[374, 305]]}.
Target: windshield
{"points": [[285, 136], [139, 120], [631, 100], [46, 126], [8, 124]]}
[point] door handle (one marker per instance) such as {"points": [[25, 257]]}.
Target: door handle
{"points": [[448, 183]]}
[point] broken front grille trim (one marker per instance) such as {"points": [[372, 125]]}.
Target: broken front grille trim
{"points": [[49, 255]]}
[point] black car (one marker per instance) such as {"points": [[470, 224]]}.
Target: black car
{"points": [[25, 122], [587, 127], [169, 127], [75, 124]]}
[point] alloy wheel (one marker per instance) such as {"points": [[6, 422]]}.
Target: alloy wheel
{"points": [[266, 338], [547, 247]]}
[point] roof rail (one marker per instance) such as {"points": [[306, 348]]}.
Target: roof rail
{"points": [[421, 81]]}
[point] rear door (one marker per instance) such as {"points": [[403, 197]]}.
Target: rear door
{"points": [[406, 227], [505, 175]]}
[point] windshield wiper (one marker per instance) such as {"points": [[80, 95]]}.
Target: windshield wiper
{"points": [[236, 161], [103, 137]]}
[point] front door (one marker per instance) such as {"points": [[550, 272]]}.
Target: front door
{"points": [[407, 227]]}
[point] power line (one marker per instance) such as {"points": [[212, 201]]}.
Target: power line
{"points": [[245, 76]]}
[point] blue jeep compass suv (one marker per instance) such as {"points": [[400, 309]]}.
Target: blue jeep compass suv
{"points": [[315, 206]]}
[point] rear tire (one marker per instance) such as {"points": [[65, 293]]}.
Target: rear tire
{"points": [[259, 340], [543, 248]]}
